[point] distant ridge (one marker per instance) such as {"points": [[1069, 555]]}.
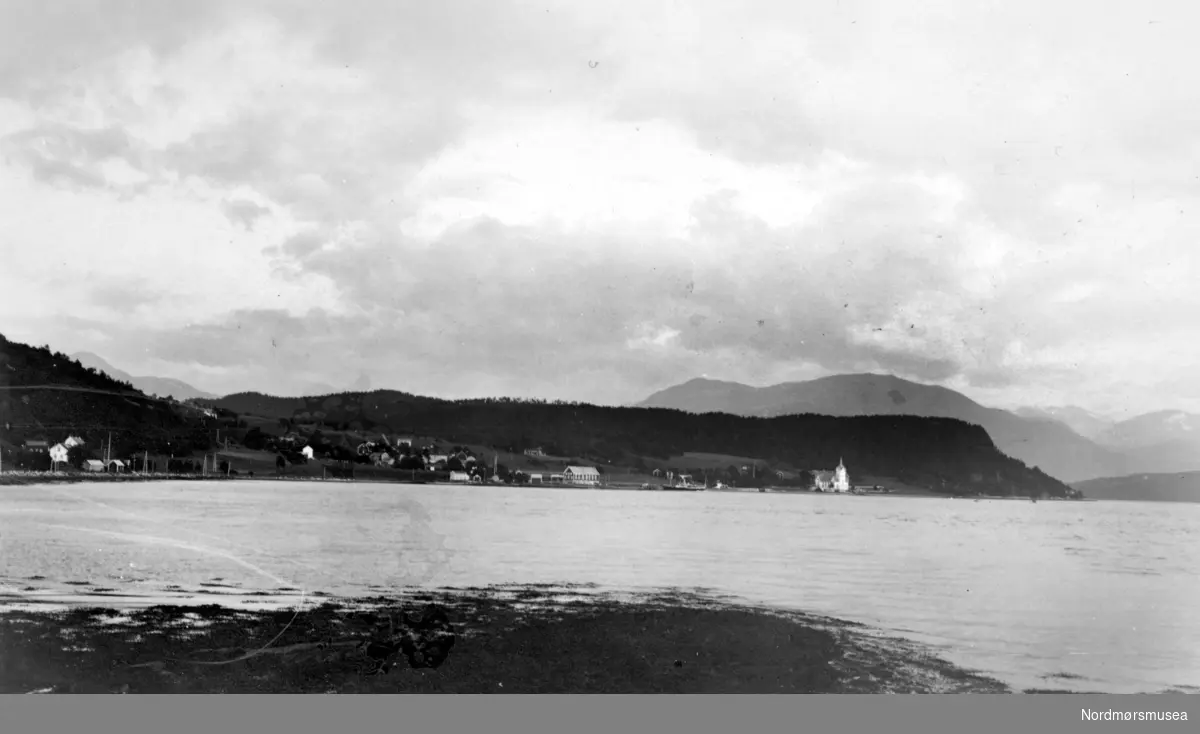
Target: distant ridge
{"points": [[1048, 444], [1167, 487], [160, 386], [1084, 422], [942, 454]]}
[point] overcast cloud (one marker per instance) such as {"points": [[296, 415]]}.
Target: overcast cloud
{"points": [[593, 201]]}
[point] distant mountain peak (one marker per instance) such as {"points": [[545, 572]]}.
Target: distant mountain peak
{"points": [[161, 386]]}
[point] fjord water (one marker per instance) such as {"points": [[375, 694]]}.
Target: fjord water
{"points": [[1097, 596]]}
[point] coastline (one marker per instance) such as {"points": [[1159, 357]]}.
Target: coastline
{"points": [[500, 639], [28, 478]]}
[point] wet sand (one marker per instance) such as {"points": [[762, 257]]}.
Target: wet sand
{"points": [[511, 639]]}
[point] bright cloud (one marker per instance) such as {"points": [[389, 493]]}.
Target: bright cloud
{"points": [[589, 202]]}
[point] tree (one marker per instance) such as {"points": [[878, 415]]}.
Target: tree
{"points": [[453, 464], [76, 455], [410, 463], [280, 463], [254, 439]]}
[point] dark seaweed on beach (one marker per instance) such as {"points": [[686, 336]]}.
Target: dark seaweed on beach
{"points": [[493, 639]]}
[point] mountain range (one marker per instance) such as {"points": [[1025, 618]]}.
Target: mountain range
{"points": [[1070, 444], [1082, 421], [159, 386]]}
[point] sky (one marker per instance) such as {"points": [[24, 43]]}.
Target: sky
{"points": [[595, 201]]}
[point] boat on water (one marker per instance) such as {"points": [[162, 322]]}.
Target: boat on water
{"points": [[678, 488]]}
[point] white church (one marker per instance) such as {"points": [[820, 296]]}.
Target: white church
{"points": [[837, 480]]}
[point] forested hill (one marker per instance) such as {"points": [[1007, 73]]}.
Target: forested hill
{"points": [[940, 453], [48, 395], [25, 365]]}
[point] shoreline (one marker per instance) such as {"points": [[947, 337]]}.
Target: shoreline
{"points": [[28, 478], [498, 639]]}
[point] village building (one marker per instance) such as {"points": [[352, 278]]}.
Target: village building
{"points": [[93, 465], [535, 479], [116, 466], [37, 445], [58, 453], [837, 480], [307, 452], [557, 478], [535, 452], [582, 475], [73, 441], [460, 476]]}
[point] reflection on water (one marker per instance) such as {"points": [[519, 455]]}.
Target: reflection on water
{"points": [[1090, 596]]}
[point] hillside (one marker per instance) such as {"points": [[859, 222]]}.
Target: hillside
{"points": [[938, 453], [160, 386], [1084, 422], [47, 395], [1047, 444], [1153, 429], [1181, 487]]}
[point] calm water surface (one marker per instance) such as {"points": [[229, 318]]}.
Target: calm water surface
{"points": [[1093, 596]]}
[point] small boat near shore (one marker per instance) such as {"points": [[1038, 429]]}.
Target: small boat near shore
{"points": [[678, 488]]}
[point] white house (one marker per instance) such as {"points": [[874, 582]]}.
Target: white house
{"points": [[535, 452], [73, 441], [460, 476], [58, 453], [581, 475], [93, 465], [116, 465], [307, 452]]}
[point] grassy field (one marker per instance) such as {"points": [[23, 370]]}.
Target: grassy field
{"points": [[495, 640]]}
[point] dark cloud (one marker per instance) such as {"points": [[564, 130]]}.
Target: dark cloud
{"points": [[244, 212], [61, 154]]}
